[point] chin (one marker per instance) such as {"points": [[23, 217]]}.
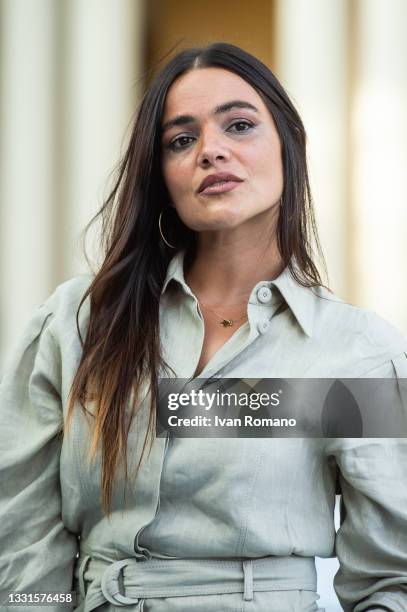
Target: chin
{"points": [[223, 217], [217, 216], [223, 221]]}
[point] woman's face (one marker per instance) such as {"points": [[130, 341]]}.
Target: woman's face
{"points": [[215, 122]]}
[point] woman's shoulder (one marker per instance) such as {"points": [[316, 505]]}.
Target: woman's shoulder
{"points": [[357, 327], [50, 334], [56, 316], [60, 308], [69, 293], [63, 304]]}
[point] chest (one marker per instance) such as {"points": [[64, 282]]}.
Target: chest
{"points": [[214, 338]]}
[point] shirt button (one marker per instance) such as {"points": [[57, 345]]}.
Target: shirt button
{"points": [[264, 295], [263, 326]]}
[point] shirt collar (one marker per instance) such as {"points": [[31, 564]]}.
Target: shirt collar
{"points": [[300, 300], [175, 271]]}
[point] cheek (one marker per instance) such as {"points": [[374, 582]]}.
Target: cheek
{"points": [[263, 156], [176, 177], [270, 166]]}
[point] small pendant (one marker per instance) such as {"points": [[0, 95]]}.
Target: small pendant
{"points": [[227, 322]]}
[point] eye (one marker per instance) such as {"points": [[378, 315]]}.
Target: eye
{"points": [[180, 143], [246, 125]]}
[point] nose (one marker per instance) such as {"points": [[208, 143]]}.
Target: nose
{"points": [[212, 148]]}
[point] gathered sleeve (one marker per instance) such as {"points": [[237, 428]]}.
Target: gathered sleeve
{"points": [[371, 543], [37, 552]]}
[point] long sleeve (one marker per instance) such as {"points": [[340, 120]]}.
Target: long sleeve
{"points": [[37, 552], [371, 543]]}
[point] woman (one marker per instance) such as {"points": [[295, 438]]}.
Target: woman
{"points": [[208, 272]]}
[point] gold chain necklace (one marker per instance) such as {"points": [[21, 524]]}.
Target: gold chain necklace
{"points": [[223, 321]]}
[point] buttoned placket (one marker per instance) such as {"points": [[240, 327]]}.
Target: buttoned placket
{"points": [[262, 304]]}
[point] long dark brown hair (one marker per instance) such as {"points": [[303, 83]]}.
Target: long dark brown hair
{"points": [[122, 346]]}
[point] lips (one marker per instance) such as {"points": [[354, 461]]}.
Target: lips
{"points": [[222, 187], [219, 179]]}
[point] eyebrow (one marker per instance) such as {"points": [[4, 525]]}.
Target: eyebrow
{"points": [[223, 108]]}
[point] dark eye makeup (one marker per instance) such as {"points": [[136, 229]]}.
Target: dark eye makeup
{"points": [[183, 141]]}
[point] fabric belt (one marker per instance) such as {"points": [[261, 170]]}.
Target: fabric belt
{"points": [[130, 581]]}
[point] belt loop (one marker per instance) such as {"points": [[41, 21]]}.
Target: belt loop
{"points": [[248, 579]]}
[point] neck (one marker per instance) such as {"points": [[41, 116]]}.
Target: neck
{"points": [[223, 271]]}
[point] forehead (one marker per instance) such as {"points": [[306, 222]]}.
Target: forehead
{"points": [[205, 88]]}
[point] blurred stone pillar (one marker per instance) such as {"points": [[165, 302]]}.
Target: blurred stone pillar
{"points": [[27, 154], [312, 51], [312, 63], [103, 61], [379, 158], [69, 87]]}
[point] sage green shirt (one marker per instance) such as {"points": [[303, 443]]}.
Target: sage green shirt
{"points": [[205, 497]]}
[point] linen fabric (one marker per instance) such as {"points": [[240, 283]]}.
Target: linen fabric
{"points": [[204, 498]]}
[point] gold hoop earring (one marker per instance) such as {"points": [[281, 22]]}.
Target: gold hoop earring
{"points": [[161, 231]]}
